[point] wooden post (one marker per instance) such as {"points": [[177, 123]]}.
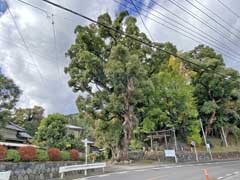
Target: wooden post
{"points": [[151, 142], [196, 154], [166, 143]]}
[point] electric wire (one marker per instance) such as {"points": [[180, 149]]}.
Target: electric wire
{"points": [[227, 54], [224, 27], [222, 34], [131, 37], [24, 42], [150, 35]]}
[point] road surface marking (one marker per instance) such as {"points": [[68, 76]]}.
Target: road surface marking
{"points": [[220, 178], [140, 170], [155, 178], [122, 172], [104, 175]]}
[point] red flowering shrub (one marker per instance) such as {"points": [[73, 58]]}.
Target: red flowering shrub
{"points": [[74, 154], [27, 153], [3, 152], [54, 154]]}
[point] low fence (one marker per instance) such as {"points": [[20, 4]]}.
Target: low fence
{"points": [[183, 156], [36, 170]]}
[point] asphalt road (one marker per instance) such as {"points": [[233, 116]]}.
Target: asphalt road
{"points": [[216, 170]]}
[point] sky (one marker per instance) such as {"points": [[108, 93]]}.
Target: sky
{"points": [[36, 64]]}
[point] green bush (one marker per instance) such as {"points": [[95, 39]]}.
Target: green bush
{"points": [[42, 155], [12, 155], [65, 156], [82, 158]]}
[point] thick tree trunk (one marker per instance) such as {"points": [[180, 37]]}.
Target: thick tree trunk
{"points": [[211, 120], [128, 119]]}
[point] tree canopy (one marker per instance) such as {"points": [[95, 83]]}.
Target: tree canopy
{"points": [[126, 86], [9, 96], [29, 118], [217, 91], [52, 132], [112, 71]]}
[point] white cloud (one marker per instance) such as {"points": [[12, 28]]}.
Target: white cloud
{"points": [[51, 91]]}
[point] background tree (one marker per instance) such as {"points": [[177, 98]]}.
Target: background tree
{"points": [[216, 90], [9, 96], [29, 118], [171, 103], [52, 133], [85, 121]]}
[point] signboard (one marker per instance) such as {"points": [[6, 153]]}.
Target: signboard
{"points": [[5, 175], [169, 153], [193, 143], [208, 146]]}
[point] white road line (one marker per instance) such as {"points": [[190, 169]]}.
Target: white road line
{"points": [[140, 170], [122, 172], [220, 178]]}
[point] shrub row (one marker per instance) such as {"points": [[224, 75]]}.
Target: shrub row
{"points": [[29, 153]]}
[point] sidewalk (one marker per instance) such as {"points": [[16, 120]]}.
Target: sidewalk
{"points": [[113, 168]]}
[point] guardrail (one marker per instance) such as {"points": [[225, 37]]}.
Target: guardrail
{"points": [[84, 167], [5, 175]]}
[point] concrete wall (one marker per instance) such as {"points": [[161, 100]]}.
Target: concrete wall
{"points": [[35, 170], [183, 156]]}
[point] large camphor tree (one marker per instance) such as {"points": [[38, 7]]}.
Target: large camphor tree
{"points": [[111, 71]]}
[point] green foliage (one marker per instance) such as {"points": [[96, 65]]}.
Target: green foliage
{"points": [[171, 104], [85, 121], [12, 155], [111, 70], [9, 93], [108, 133], [65, 156], [9, 96], [29, 118], [52, 131], [42, 155], [217, 96], [5, 116], [136, 144]]}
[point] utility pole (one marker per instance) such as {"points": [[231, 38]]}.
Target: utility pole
{"points": [[175, 139], [205, 140], [224, 137]]}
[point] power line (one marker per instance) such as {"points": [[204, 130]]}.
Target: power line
{"points": [[222, 34], [130, 36], [23, 40], [228, 30], [192, 36], [207, 36], [219, 17], [227, 7], [55, 44], [150, 35], [36, 7]]}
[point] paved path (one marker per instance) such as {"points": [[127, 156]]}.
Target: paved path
{"points": [[217, 170]]}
